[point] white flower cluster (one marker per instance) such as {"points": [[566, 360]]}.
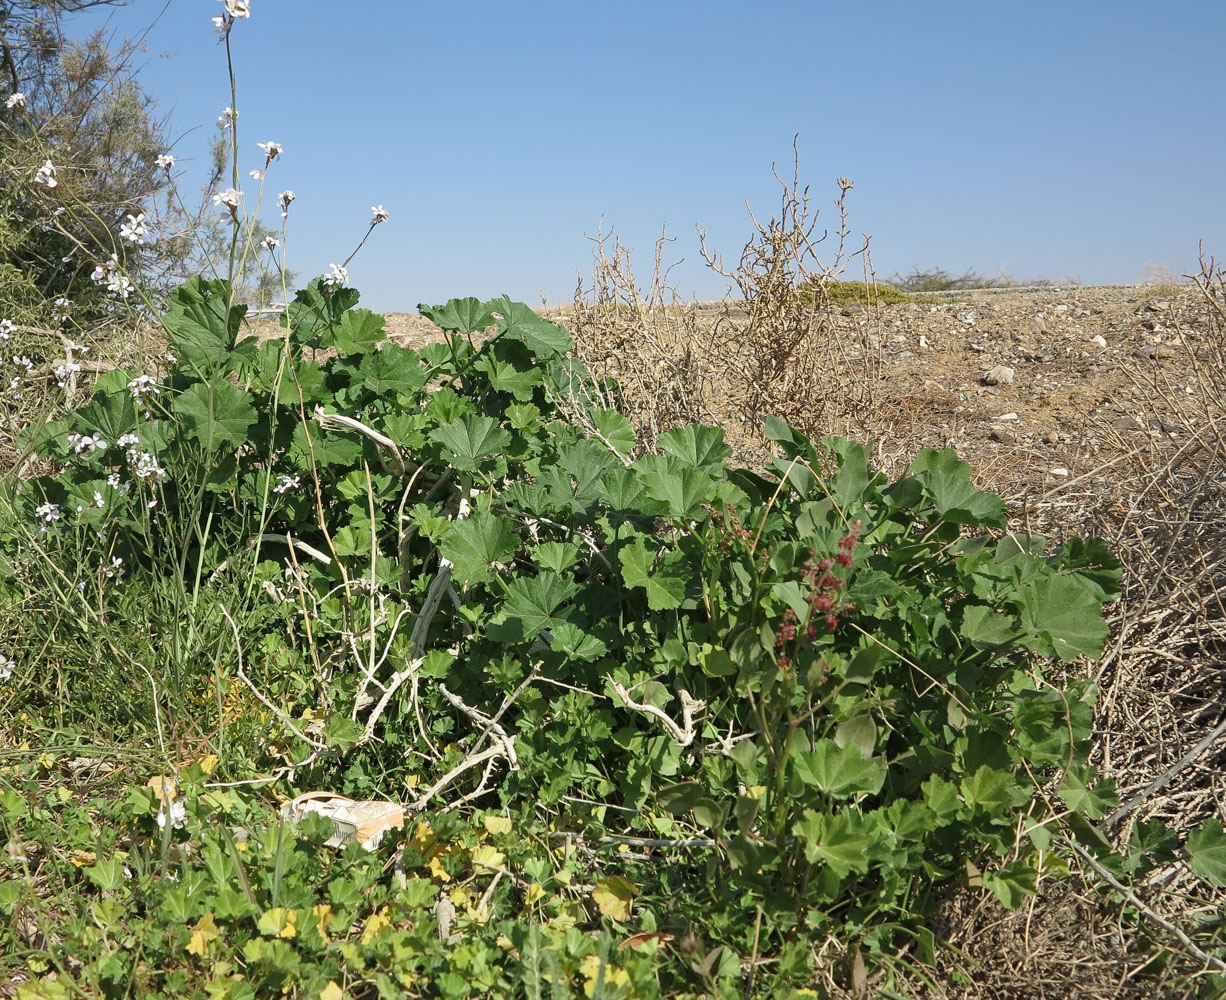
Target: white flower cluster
{"points": [[283, 202], [64, 306], [110, 274], [134, 230], [379, 214], [144, 464], [47, 514], [64, 372], [177, 815], [7, 666], [16, 100], [165, 161], [337, 276], [287, 483], [141, 387], [46, 175], [7, 326]]}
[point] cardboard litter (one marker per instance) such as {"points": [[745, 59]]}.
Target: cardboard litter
{"points": [[356, 822]]}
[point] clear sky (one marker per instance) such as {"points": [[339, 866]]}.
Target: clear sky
{"points": [[1081, 140]]}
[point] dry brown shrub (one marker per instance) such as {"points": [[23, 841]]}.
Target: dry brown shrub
{"points": [[768, 348]]}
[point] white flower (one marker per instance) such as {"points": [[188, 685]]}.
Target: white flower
{"points": [[109, 272], [178, 815], [380, 214], [286, 483], [48, 514], [339, 275], [46, 175], [115, 571], [229, 197], [24, 362], [238, 8], [86, 442], [7, 326], [65, 308], [134, 230], [63, 372], [271, 242], [7, 666], [141, 387], [113, 479], [147, 467], [257, 175], [219, 24], [225, 120], [271, 149], [99, 500], [77, 348], [283, 200], [127, 441], [165, 161], [17, 100]]}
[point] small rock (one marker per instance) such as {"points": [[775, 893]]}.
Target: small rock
{"points": [[1158, 305], [1007, 416], [923, 341], [1099, 340], [1000, 375], [1051, 437], [968, 317], [1127, 424], [854, 309], [1061, 308], [1038, 324], [1156, 352], [1000, 437], [1162, 425], [1060, 471]]}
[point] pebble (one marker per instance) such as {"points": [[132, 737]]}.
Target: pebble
{"points": [[1007, 416], [1038, 324], [1098, 340], [1000, 375], [1059, 471], [968, 317]]}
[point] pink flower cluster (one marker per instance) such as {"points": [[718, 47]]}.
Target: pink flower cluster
{"points": [[824, 595]]}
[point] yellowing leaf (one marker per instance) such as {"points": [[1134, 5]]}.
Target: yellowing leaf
{"points": [[614, 896], [279, 922], [204, 931], [535, 891], [82, 859], [435, 864], [164, 788], [376, 924], [614, 977], [423, 838], [461, 896], [208, 763], [498, 824], [331, 992], [488, 857]]}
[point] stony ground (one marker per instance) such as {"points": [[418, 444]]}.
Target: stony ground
{"points": [[1039, 384]]}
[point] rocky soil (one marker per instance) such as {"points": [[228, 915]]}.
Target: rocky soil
{"points": [[1039, 384]]}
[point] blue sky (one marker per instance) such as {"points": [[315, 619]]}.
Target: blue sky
{"points": [[1047, 139]]}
